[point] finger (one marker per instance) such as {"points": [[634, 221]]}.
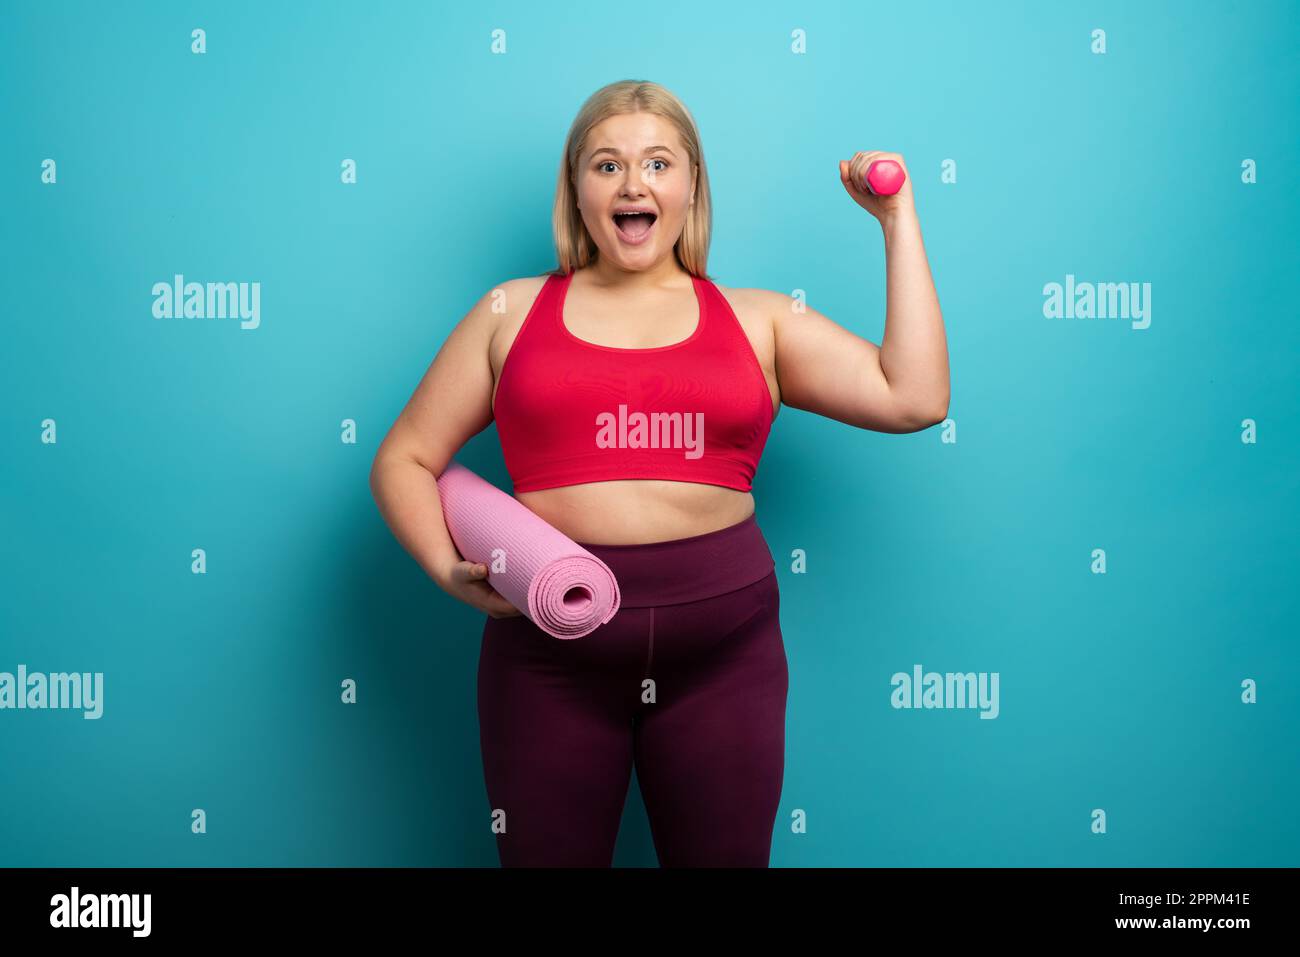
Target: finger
{"points": [[853, 186], [862, 163], [853, 167], [469, 571], [480, 592], [488, 599]]}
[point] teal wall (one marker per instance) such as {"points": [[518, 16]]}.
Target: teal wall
{"points": [[1119, 691]]}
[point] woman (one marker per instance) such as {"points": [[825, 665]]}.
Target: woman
{"points": [[633, 398]]}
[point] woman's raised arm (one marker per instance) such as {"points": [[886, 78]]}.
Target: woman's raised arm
{"points": [[901, 385]]}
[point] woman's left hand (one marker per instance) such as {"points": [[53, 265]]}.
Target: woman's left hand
{"points": [[853, 173]]}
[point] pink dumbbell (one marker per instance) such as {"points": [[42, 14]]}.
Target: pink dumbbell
{"points": [[884, 178]]}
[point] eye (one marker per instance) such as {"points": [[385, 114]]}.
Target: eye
{"points": [[606, 163], [658, 160]]}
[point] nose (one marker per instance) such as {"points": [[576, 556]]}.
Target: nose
{"points": [[634, 183]]}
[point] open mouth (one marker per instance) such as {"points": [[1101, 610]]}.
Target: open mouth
{"points": [[634, 227]]}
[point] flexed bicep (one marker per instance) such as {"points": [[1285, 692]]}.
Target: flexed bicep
{"points": [[829, 370]]}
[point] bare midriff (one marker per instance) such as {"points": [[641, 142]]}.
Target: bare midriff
{"points": [[638, 511]]}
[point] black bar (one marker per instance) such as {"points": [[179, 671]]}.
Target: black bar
{"points": [[338, 905]]}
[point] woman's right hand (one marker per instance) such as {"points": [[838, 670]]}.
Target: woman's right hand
{"points": [[468, 582]]}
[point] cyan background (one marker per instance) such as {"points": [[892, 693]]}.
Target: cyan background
{"points": [[1119, 691]]}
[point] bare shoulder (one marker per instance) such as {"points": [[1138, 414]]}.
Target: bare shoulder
{"points": [[760, 304], [510, 297]]}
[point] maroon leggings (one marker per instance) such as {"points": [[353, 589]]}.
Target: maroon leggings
{"points": [[687, 682]]}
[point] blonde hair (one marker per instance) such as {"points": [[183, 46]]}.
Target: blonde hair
{"points": [[574, 247]]}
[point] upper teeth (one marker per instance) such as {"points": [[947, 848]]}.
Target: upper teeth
{"points": [[632, 212]]}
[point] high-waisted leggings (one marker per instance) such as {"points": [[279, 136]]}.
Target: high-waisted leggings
{"points": [[687, 682]]}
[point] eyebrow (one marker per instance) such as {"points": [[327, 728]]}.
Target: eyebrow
{"points": [[648, 149]]}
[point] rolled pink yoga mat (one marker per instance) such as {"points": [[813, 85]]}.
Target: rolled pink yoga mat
{"points": [[563, 589]]}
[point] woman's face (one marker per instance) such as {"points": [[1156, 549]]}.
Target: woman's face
{"points": [[635, 160]]}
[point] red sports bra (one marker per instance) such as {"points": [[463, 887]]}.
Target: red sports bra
{"points": [[570, 411]]}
